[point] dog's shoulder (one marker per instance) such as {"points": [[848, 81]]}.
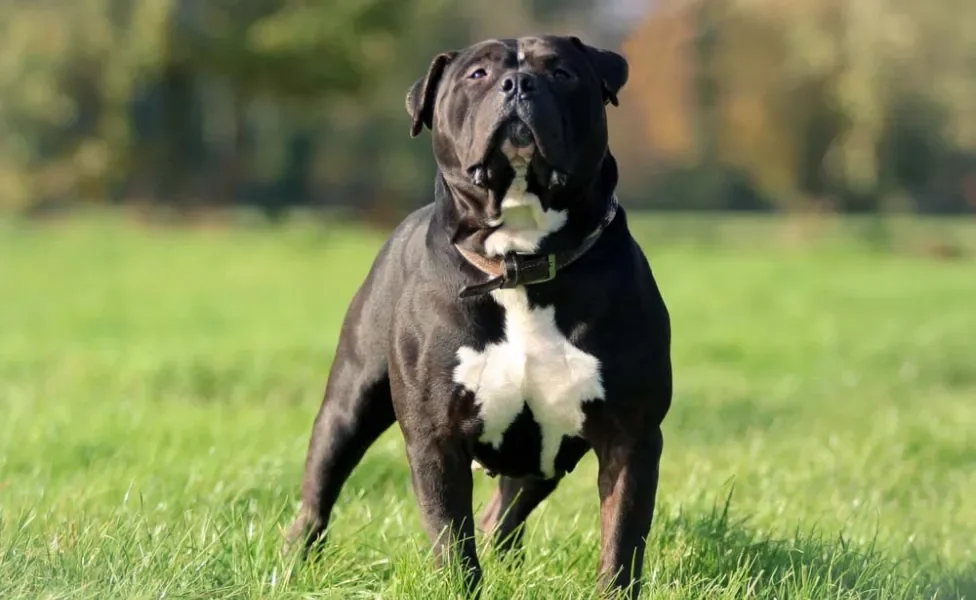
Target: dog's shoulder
{"points": [[376, 298], [412, 227]]}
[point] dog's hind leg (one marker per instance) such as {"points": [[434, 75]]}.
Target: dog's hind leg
{"points": [[357, 409], [510, 506], [629, 470]]}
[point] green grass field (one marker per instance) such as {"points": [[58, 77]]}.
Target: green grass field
{"points": [[157, 388]]}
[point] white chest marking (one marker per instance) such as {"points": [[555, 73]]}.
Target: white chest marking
{"points": [[535, 365]]}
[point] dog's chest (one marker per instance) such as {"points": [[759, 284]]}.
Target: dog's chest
{"points": [[535, 365]]}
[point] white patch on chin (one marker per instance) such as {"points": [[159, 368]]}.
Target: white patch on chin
{"points": [[535, 365], [524, 222]]}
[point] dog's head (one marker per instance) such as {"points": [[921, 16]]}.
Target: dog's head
{"points": [[518, 118]]}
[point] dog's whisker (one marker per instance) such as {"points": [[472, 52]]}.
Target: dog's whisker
{"points": [[479, 176], [557, 179]]}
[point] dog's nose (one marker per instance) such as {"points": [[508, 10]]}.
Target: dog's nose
{"points": [[518, 85]]}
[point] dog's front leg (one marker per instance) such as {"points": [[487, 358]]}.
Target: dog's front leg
{"points": [[628, 489], [443, 483]]}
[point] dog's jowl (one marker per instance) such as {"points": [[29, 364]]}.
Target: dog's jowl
{"points": [[513, 322]]}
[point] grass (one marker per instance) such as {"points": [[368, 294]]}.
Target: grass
{"points": [[157, 388]]}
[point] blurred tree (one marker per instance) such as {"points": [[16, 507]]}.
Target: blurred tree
{"points": [[661, 79], [67, 74], [72, 70], [291, 52], [290, 48], [808, 95], [278, 102]]}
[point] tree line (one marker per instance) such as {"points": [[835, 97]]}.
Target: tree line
{"points": [[853, 105]]}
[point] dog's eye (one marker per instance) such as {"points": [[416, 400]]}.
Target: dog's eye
{"points": [[561, 74], [478, 74]]}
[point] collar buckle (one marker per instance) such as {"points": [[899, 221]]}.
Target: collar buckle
{"points": [[515, 269], [528, 269]]}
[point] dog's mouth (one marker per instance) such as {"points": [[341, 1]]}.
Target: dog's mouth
{"points": [[515, 158], [517, 139]]}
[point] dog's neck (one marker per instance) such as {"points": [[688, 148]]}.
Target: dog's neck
{"points": [[524, 224], [528, 244]]}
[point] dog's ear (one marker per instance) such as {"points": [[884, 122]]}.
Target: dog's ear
{"points": [[612, 68], [420, 97]]}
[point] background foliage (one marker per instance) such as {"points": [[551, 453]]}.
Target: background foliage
{"points": [[158, 386], [733, 104]]}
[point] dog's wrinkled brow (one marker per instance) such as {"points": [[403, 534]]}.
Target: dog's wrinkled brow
{"points": [[495, 51], [547, 60]]}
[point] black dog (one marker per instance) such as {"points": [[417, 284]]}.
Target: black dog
{"points": [[514, 321]]}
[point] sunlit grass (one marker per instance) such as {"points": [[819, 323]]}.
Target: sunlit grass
{"points": [[157, 389]]}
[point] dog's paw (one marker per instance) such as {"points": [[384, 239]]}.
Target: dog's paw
{"points": [[488, 519], [303, 534]]}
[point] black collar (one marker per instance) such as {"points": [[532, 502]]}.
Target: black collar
{"points": [[516, 268]]}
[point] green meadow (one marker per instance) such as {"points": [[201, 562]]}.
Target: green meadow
{"points": [[158, 385]]}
